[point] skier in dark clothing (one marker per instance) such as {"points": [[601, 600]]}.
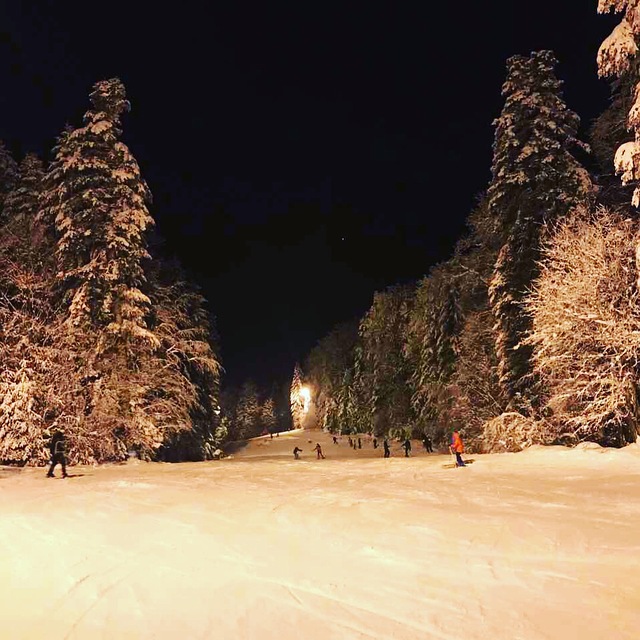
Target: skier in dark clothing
{"points": [[359, 443], [350, 443], [335, 440], [407, 447], [318, 450], [375, 443], [296, 453], [426, 441], [56, 447], [387, 451]]}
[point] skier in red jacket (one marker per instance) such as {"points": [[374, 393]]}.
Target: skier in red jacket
{"points": [[457, 447]]}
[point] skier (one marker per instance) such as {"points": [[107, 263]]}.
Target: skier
{"points": [[296, 453], [426, 441], [375, 443], [457, 447], [387, 451], [57, 454], [359, 443], [407, 447], [318, 450], [335, 440], [350, 442]]}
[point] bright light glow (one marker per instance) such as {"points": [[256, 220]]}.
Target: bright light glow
{"points": [[305, 393]]}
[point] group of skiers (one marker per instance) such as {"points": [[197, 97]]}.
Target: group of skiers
{"points": [[456, 447], [57, 449]]}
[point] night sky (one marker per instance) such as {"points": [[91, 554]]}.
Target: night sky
{"points": [[301, 155]]}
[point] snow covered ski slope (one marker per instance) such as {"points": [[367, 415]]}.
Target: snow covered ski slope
{"points": [[542, 544]]}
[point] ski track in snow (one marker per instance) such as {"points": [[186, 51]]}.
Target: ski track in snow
{"points": [[537, 545]]}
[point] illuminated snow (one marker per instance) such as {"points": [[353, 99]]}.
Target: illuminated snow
{"points": [[540, 544]]}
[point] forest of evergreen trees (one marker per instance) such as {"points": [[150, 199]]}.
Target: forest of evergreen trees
{"points": [[98, 337], [530, 332]]}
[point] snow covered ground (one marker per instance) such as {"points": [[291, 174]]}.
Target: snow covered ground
{"points": [[542, 544]]}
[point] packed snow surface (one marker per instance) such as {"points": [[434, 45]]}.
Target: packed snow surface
{"points": [[540, 544]]}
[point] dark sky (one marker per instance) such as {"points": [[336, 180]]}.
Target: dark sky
{"points": [[301, 154]]}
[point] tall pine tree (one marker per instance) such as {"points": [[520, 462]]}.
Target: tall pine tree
{"points": [[381, 387], [185, 369], [536, 180], [430, 346], [268, 414], [248, 412], [100, 204], [98, 200]]}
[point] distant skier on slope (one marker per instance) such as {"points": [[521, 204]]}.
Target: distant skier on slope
{"points": [[296, 453], [375, 443], [457, 447], [426, 441], [318, 450], [335, 440], [387, 451], [359, 443], [56, 447], [407, 447]]}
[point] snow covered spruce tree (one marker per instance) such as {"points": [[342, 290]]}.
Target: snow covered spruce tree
{"points": [[20, 211], [473, 393], [23, 200], [268, 414], [327, 366], [380, 385], [98, 199], [295, 397], [248, 412], [536, 180], [430, 348], [101, 218], [184, 372]]}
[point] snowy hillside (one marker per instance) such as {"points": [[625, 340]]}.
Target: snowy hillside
{"points": [[542, 544]]}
